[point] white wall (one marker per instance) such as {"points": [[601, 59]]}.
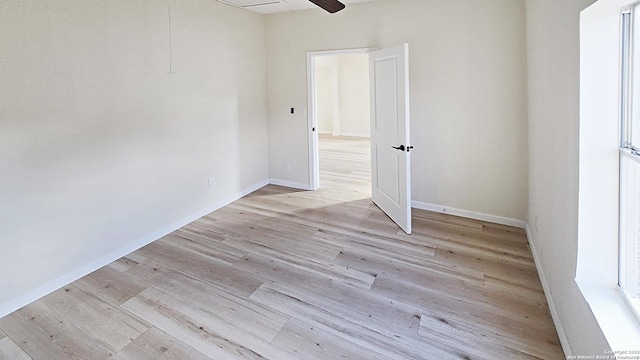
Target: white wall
{"points": [[100, 147], [342, 94], [599, 179], [553, 42], [468, 98], [353, 78], [326, 97]]}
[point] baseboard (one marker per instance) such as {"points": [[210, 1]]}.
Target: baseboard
{"points": [[344, 134], [290, 184], [468, 214], [64, 280], [564, 341], [353, 135]]}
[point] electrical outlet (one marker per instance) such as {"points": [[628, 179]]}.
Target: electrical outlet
{"points": [[303, 112], [212, 183], [287, 167]]}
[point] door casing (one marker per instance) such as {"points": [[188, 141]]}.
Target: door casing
{"points": [[312, 120]]}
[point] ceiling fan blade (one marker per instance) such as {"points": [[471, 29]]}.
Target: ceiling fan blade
{"points": [[332, 6]]}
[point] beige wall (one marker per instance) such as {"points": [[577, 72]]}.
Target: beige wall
{"points": [[100, 146], [553, 41], [468, 98]]}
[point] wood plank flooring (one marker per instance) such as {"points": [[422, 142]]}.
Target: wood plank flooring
{"points": [[289, 274]]}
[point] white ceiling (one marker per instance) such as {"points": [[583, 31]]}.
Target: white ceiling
{"points": [[274, 6]]}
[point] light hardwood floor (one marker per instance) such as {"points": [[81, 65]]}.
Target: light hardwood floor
{"points": [[288, 274]]}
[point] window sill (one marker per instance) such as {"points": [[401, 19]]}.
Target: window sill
{"points": [[617, 322]]}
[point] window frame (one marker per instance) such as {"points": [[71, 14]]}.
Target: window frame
{"points": [[629, 158]]}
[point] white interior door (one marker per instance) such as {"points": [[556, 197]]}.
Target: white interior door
{"points": [[390, 147]]}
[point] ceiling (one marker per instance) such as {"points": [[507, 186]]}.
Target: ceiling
{"points": [[274, 6]]}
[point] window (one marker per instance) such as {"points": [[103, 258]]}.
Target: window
{"points": [[629, 274]]}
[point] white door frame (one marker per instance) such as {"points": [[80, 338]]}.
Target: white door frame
{"points": [[312, 118]]}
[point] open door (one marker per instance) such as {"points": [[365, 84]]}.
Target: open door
{"points": [[390, 136]]}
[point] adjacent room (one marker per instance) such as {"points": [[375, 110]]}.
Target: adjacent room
{"points": [[340, 106], [208, 179]]}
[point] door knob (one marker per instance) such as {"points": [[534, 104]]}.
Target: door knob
{"points": [[403, 148]]}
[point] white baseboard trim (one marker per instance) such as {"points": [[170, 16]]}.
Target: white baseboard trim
{"points": [[564, 341], [468, 214], [290, 184], [353, 135], [344, 134], [51, 286]]}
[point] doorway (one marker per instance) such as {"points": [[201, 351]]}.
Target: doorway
{"points": [[390, 126], [339, 105]]}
